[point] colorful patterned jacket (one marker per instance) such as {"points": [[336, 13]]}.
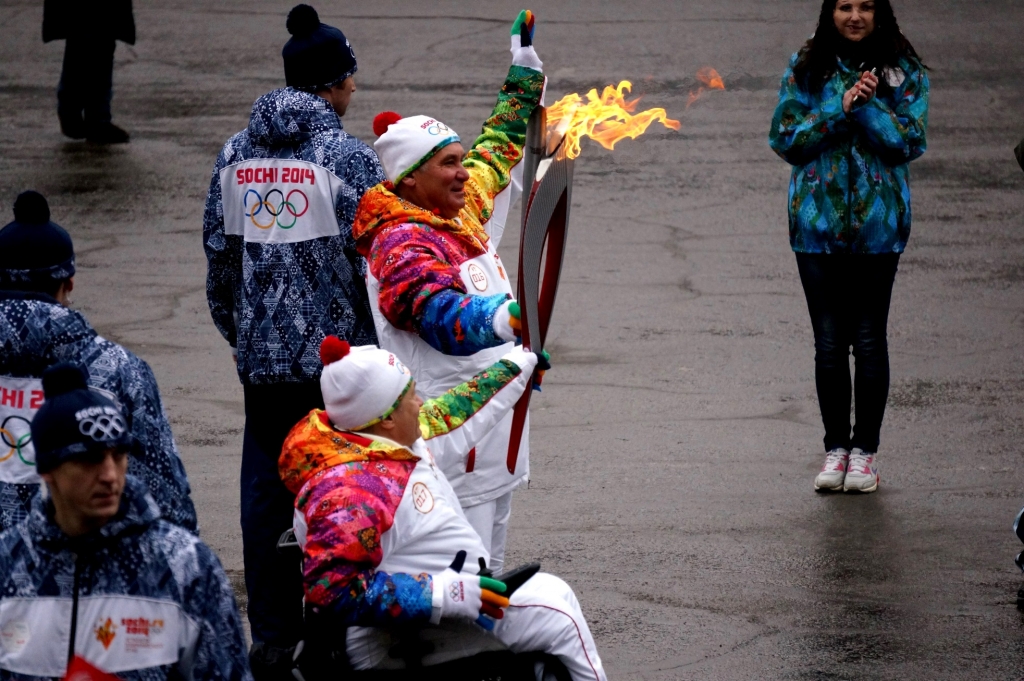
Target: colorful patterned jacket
{"points": [[283, 271], [376, 519], [35, 332], [435, 284], [850, 188], [140, 598]]}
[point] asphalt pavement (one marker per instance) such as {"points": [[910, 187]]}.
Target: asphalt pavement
{"points": [[677, 437]]}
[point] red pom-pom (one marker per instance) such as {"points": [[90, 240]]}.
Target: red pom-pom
{"points": [[333, 349], [382, 120]]}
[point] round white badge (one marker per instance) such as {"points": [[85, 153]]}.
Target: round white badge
{"points": [[422, 499], [477, 276]]}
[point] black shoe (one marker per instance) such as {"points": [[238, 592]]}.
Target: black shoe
{"points": [[73, 129], [107, 133], [269, 663]]}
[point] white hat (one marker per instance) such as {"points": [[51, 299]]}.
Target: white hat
{"points": [[404, 144], [361, 385]]}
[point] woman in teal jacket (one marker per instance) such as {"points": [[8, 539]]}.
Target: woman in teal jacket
{"points": [[852, 113]]}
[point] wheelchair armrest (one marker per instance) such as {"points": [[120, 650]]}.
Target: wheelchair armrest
{"points": [[288, 544]]}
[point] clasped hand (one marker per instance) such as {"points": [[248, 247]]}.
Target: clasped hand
{"points": [[862, 91]]}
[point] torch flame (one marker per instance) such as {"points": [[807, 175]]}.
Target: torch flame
{"points": [[605, 118], [710, 81]]}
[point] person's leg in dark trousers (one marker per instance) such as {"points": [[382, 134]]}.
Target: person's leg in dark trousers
{"points": [[72, 87], [86, 88], [273, 581], [99, 84], [827, 287], [875, 275]]}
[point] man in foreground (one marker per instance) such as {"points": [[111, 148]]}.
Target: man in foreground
{"points": [[38, 329], [94, 581], [379, 523], [440, 294], [284, 273]]}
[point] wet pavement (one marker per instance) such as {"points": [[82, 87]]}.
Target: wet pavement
{"points": [[677, 437]]}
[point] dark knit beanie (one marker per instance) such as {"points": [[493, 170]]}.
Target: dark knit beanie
{"points": [[74, 421], [318, 55], [33, 250]]}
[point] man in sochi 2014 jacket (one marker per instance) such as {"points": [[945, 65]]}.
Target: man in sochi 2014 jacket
{"points": [[439, 292], [94, 579], [283, 274], [37, 330], [379, 523], [140, 579]]}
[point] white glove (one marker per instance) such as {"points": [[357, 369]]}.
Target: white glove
{"points": [[456, 595], [467, 596], [502, 323], [523, 53], [522, 358]]}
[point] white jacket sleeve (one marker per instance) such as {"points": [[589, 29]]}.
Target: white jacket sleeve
{"points": [[454, 422]]}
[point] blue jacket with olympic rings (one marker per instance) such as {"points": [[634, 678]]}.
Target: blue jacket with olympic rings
{"points": [[283, 272], [139, 598], [35, 332]]}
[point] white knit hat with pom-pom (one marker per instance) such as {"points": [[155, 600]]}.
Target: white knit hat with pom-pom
{"points": [[361, 385], [404, 144]]}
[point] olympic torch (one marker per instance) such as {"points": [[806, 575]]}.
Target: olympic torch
{"points": [[547, 184]]}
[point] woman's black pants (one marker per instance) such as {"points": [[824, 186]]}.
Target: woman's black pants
{"points": [[848, 297]]}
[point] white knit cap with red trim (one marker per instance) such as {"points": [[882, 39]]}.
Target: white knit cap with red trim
{"points": [[404, 144], [361, 384]]}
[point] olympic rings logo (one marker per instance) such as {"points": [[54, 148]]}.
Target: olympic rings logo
{"points": [[103, 427], [275, 209], [16, 443], [438, 128]]}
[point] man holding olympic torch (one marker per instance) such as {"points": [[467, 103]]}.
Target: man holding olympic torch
{"points": [[283, 274], [440, 295]]}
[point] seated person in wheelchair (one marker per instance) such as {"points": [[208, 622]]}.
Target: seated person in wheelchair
{"points": [[379, 523]]}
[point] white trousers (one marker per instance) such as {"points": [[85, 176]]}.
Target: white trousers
{"points": [[544, 615], [490, 520]]}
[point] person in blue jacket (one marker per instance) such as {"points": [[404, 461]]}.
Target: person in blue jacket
{"points": [[852, 115], [39, 329], [283, 274], [94, 581]]}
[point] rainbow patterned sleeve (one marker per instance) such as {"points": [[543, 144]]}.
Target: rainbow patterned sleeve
{"points": [[411, 263], [347, 508], [451, 409], [500, 144]]}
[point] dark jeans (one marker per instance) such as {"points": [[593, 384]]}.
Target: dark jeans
{"points": [[83, 96], [848, 298], [273, 582]]}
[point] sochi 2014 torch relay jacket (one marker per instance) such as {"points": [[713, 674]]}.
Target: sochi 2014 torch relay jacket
{"points": [[850, 188], [36, 332], [435, 284], [139, 598], [376, 519], [283, 271]]}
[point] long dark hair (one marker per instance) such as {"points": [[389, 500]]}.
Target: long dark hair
{"points": [[883, 48]]}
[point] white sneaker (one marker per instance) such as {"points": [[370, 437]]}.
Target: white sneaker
{"points": [[862, 474], [834, 471]]}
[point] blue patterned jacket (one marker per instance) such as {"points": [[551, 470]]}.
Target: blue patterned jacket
{"points": [[140, 598], [275, 293], [35, 332], [850, 186]]}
